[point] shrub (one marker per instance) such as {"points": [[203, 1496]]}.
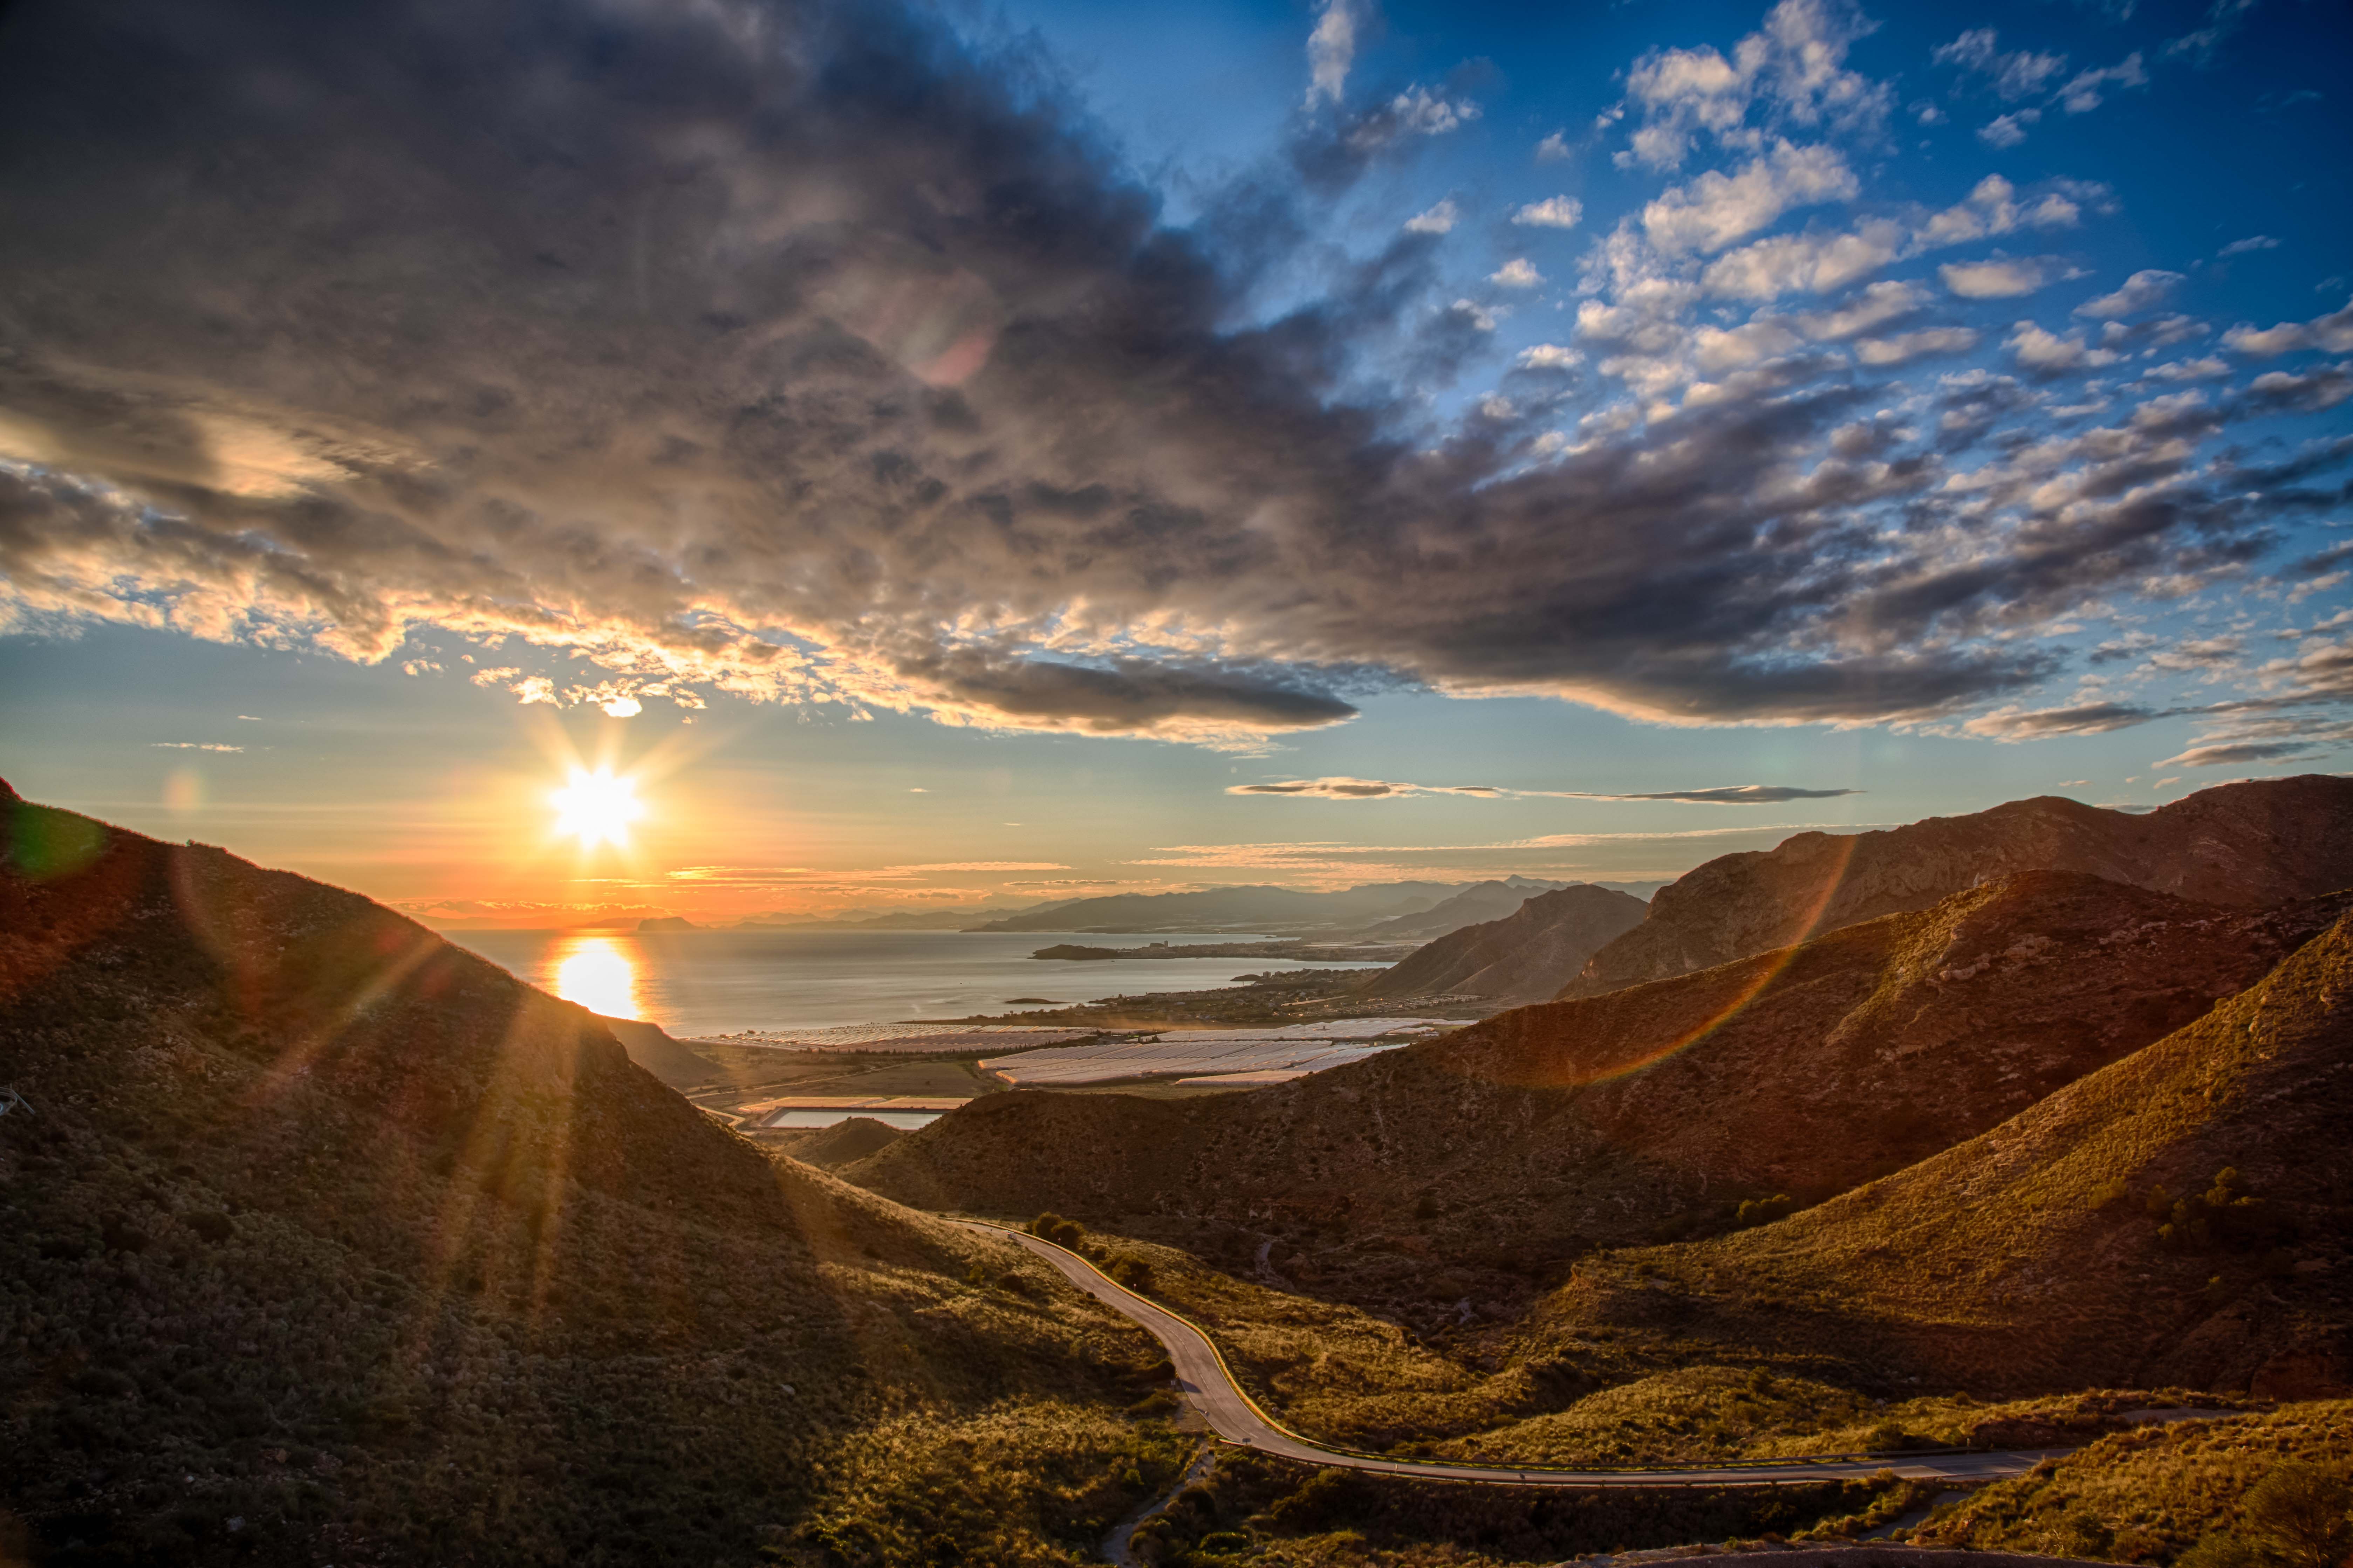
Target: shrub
{"points": [[1052, 1227], [2297, 1514]]}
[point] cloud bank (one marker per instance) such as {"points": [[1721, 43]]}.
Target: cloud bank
{"points": [[1343, 788], [809, 353]]}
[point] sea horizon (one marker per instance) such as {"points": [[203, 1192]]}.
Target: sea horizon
{"points": [[702, 983]]}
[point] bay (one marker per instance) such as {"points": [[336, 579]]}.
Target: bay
{"points": [[704, 982]]}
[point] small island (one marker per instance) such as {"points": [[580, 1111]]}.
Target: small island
{"points": [[1071, 949], [667, 922]]}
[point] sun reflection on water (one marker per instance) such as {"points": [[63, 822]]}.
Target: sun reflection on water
{"points": [[598, 972]]}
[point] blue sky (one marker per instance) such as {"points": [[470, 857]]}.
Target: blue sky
{"points": [[954, 471]]}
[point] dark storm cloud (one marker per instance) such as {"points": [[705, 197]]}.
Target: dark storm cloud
{"points": [[803, 352]]}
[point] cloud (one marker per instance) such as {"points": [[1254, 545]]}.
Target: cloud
{"points": [[1712, 211], [1343, 788], [1378, 789], [192, 746], [827, 360], [2234, 753], [2020, 73], [2248, 246], [2007, 131], [2000, 277], [981, 866], [1331, 49], [1804, 263], [2015, 723], [1516, 273], [2144, 290], [1426, 113], [1731, 794], [2084, 92], [2333, 333], [1791, 70], [1439, 219], [1555, 149], [1553, 212], [1906, 346]]}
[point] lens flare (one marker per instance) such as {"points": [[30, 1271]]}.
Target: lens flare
{"points": [[596, 808]]}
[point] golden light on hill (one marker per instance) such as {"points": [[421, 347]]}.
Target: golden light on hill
{"points": [[596, 808]]}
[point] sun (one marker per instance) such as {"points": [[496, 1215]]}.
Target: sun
{"points": [[596, 808]]}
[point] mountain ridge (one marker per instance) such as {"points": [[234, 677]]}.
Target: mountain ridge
{"points": [[1499, 1152], [2244, 844], [1519, 956]]}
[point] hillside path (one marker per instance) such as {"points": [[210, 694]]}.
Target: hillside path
{"points": [[1210, 1388]]}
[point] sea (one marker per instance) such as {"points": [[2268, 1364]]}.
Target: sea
{"points": [[706, 983]]}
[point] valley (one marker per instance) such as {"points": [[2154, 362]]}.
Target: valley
{"points": [[387, 1253]]}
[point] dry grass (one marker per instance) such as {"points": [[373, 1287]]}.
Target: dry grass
{"points": [[2144, 1496]]}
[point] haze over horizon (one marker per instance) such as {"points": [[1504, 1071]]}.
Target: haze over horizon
{"points": [[944, 455]]}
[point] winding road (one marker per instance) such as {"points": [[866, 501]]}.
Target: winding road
{"points": [[1209, 1387]]}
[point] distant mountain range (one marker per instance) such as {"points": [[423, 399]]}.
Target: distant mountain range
{"points": [[2239, 845], [1509, 1149], [1242, 908]]}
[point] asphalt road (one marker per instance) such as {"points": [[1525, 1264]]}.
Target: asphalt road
{"points": [[1233, 1416]]}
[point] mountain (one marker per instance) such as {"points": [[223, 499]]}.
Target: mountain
{"points": [[323, 1240], [1519, 958], [2178, 1218], [651, 1047], [1485, 1160], [1287, 907], [1474, 905], [667, 922], [964, 919], [2242, 844]]}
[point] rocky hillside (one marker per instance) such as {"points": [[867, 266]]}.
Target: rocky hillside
{"points": [[1521, 957], [321, 1239], [2183, 1217], [1480, 1165], [1474, 905], [2241, 844]]}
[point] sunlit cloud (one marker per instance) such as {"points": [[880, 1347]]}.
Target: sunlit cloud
{"points": [[1343, 788]]}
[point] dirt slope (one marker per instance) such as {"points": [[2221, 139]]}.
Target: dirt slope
{"points": [[1480, 1162], [2244, 844], [2039, 1253], [320, 1225], [1520, 958]]}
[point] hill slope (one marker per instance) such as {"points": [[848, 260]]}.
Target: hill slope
{"points": [[323, 1239], [1474, 905], [1521, 957], [1482, 1162], [2039, 1253], [2244, 844]]}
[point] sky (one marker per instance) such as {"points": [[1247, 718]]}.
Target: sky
{"points": [[937, 455]]}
